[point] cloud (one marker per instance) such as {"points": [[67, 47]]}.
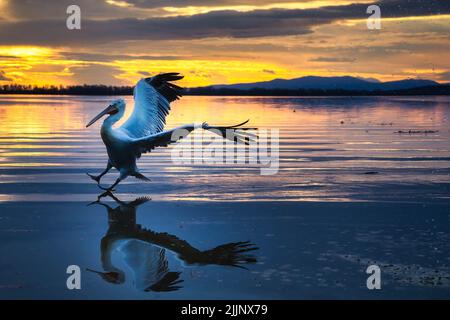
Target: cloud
{"points": [[269, 71], [289, 42], [42, 9], [203, 3], [444, 76], [214, 24], [96, 74], [100, 57], [3, 76], [101, 9], [217, 24], [332, 59]]}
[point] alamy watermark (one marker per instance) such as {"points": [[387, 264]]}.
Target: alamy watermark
{"points": [[73, 281], [374, 280], [374, 20], [250, 147], [73, 21]]}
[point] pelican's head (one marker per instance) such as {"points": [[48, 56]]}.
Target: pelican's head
{"points": [[116, 109]]}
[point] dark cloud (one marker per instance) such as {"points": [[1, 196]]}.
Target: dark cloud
{"points": [[43, 9], [3, 76], [203, 3], [332, 59], [99, 57], [213, 24], [400, 6], [268, 71], [200, 74], [217, 24], [144, 73]]}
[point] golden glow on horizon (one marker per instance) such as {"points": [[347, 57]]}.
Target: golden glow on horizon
{"points": [[204, 72], [197, 72], [36, 65], [19, 62], [25, 51]]}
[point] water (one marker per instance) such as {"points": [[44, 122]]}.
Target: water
{"points": [[350, 191]]}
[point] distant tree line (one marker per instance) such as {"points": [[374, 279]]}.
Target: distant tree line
{"points": [[96, 90]]}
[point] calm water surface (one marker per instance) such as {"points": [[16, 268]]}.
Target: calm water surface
{"points": [[351, 191]]}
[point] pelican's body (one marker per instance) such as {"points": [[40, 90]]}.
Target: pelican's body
{"points": [[143, 131], [119, 147]]}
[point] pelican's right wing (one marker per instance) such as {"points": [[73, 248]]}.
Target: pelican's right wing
{"points": [[152, 98]]}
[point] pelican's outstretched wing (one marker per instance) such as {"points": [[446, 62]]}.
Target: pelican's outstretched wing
{"points": [[232, 254], [152, 98], [235, 133]]}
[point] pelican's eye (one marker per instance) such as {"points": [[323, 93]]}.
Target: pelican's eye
{"points": [[114, 110]]}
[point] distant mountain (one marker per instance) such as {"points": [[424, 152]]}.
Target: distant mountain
{"points": [[331, 83], [306, 86]]}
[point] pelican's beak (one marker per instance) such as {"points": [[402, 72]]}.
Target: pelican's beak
{"points": [[112, 109]]}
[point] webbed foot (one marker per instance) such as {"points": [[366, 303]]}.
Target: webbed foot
{"points": [[95, 178], [140, 176]]}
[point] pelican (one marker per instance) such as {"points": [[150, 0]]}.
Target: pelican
{"points": [[143, 131]]}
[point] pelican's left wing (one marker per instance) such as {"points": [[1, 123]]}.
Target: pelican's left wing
{"points": [[152, 98], [160, 139], [234, 133]]}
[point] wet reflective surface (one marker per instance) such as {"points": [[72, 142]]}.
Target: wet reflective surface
{"points": [[327, 147], [144, 250], [351, 191]]}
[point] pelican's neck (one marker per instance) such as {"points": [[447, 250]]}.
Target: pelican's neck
{"points": [[106, 250], [111, 120]]}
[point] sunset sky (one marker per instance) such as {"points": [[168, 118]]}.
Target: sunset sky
{"points": [[223, 41]]}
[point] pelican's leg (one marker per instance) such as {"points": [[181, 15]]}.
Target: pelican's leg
{"points": [[99, 198], [110, 194], [97, 178], [98, 201], [111, 188]]}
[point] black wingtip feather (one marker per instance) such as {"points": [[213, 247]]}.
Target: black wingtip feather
{"points": [[169, 90]]}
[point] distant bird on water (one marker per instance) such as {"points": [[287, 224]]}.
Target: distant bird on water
{"points": [[143, 131]]}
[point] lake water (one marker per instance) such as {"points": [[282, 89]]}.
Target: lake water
{"points": [[351, 191]]}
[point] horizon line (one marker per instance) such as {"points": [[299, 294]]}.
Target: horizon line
{"points": [[222, 84]]}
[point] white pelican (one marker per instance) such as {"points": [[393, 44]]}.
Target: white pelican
{"points": [[143, 131]]}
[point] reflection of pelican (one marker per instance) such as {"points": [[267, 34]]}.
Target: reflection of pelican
{"points": [[144, 250], [143, 131]]}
